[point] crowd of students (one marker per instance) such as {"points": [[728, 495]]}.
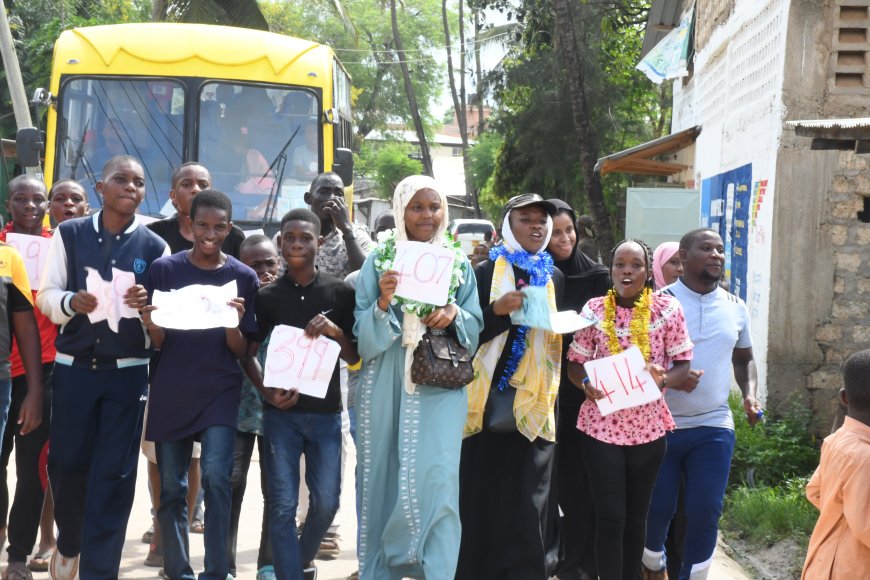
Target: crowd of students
{"points": [[464, 483]]}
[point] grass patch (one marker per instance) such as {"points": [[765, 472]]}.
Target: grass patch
{"points": [[769, 514], [773, 452], [766, 500]]}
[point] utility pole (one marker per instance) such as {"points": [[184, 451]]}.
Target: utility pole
{"points": [[13, 76]]}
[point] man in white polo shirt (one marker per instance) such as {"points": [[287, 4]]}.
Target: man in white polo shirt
{"points": [[699, 451]]}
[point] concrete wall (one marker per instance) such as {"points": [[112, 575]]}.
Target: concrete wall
{"points": [[820, 313]]}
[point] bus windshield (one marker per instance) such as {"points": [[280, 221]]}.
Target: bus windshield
{"points": [[102, 118], [252, 135], [248, 136]]}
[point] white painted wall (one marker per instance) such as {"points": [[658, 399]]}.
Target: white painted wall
{"points": [[735, 94], [448, 169]]}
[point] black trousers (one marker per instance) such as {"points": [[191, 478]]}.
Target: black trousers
{"points": [[239, 480], [622, 478], [29, 492]]}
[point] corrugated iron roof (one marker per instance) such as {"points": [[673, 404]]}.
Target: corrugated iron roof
{"points": [[664, 16], [835, 134], [639, 160], [858, 123]]}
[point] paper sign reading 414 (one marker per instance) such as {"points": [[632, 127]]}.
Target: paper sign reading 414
{"points": [[424, 272], [295, 361], [33, 249], [623, 379]]}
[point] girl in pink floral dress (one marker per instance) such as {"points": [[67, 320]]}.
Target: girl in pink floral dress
{"points": [[623, 451]]}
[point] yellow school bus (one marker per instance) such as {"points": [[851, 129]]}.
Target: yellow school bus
{"points": [[264, 112]]}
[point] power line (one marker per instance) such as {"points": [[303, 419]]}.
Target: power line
{"points": [[443, 47], [408, 61]]}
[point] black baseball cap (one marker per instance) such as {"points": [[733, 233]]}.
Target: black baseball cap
{"points": [[529, 199]]}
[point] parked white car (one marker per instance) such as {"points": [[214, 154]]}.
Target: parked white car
{"points": [[470, 232]]}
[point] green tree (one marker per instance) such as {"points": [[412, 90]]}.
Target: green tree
{"points": [[482, 164], [390, 164], [371, 58], [36, 24], [567, 94]]}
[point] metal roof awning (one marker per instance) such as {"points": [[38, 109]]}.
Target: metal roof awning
{"points": [[664, 16], [837, 134], [639, 159]]}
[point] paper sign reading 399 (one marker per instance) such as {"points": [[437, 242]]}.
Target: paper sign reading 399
{"points": [[295, 361], [424, 272], [623, 379], [33, 249]]}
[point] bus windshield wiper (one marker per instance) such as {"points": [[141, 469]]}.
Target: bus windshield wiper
{"points": [[281, 162]]}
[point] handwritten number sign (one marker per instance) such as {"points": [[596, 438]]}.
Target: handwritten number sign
{"points": [[623, 379], [33, 249], [295, 361], [424, 272], [196, 307], [110, 296]]}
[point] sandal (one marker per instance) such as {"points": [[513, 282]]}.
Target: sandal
{"points": [[39, 562], [328, 548], [197, 527]]}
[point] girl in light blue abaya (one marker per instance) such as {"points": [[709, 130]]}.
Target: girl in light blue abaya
{"points": [[409, 436]]}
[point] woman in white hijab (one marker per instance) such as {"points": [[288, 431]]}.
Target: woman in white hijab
{"points": [[409, 436]]}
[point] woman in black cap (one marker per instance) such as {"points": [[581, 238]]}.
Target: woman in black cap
{"points": [[507, 456], [584, 279]]}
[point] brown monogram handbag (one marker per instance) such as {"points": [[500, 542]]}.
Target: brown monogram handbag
{"points": [[440, 361]]}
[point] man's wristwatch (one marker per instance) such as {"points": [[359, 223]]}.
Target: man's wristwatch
{"points": [[351, 235]]}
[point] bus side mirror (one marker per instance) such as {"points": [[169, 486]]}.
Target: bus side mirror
{"points": [[30, 145], [342, 164]]}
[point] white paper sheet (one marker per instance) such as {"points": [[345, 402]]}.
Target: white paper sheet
{"points": [[196, 307], [624, 379], [425, 271], [568, 321], [33, 249], [294, 361], [110, 296]]}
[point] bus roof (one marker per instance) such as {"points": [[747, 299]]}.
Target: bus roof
{"points": [[198, 50]]}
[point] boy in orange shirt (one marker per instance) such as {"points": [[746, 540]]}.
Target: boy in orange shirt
{"points": [[840, 487]]}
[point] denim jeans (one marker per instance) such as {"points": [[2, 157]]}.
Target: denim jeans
{"points": [[216, 463], [702, 456], [288, 435]]}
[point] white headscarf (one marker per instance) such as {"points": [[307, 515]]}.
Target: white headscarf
{"points": [[412, 330], [511, 242]]}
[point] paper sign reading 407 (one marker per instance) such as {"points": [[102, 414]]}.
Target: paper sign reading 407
{"points": [[294, 361], [424, 272], [623, 379]]}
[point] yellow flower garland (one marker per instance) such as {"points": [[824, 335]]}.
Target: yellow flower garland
{"points": [[639, 325]]}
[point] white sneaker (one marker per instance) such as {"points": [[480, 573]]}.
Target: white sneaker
{"points": [[63, 567]]}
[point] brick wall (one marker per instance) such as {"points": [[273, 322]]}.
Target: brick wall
{"points": [[847, 328]]}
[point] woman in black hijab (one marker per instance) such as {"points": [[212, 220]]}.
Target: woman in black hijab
{"points": [[584, 279]]}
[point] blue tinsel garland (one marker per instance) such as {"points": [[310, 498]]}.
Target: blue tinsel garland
{"points": [[540, 269]]}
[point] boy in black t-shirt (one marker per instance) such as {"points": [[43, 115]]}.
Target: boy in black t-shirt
{"points": [[293, 423]]}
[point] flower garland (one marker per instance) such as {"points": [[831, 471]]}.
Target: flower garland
{"points": [[638, 327], [540, 269], [385, 259]]}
